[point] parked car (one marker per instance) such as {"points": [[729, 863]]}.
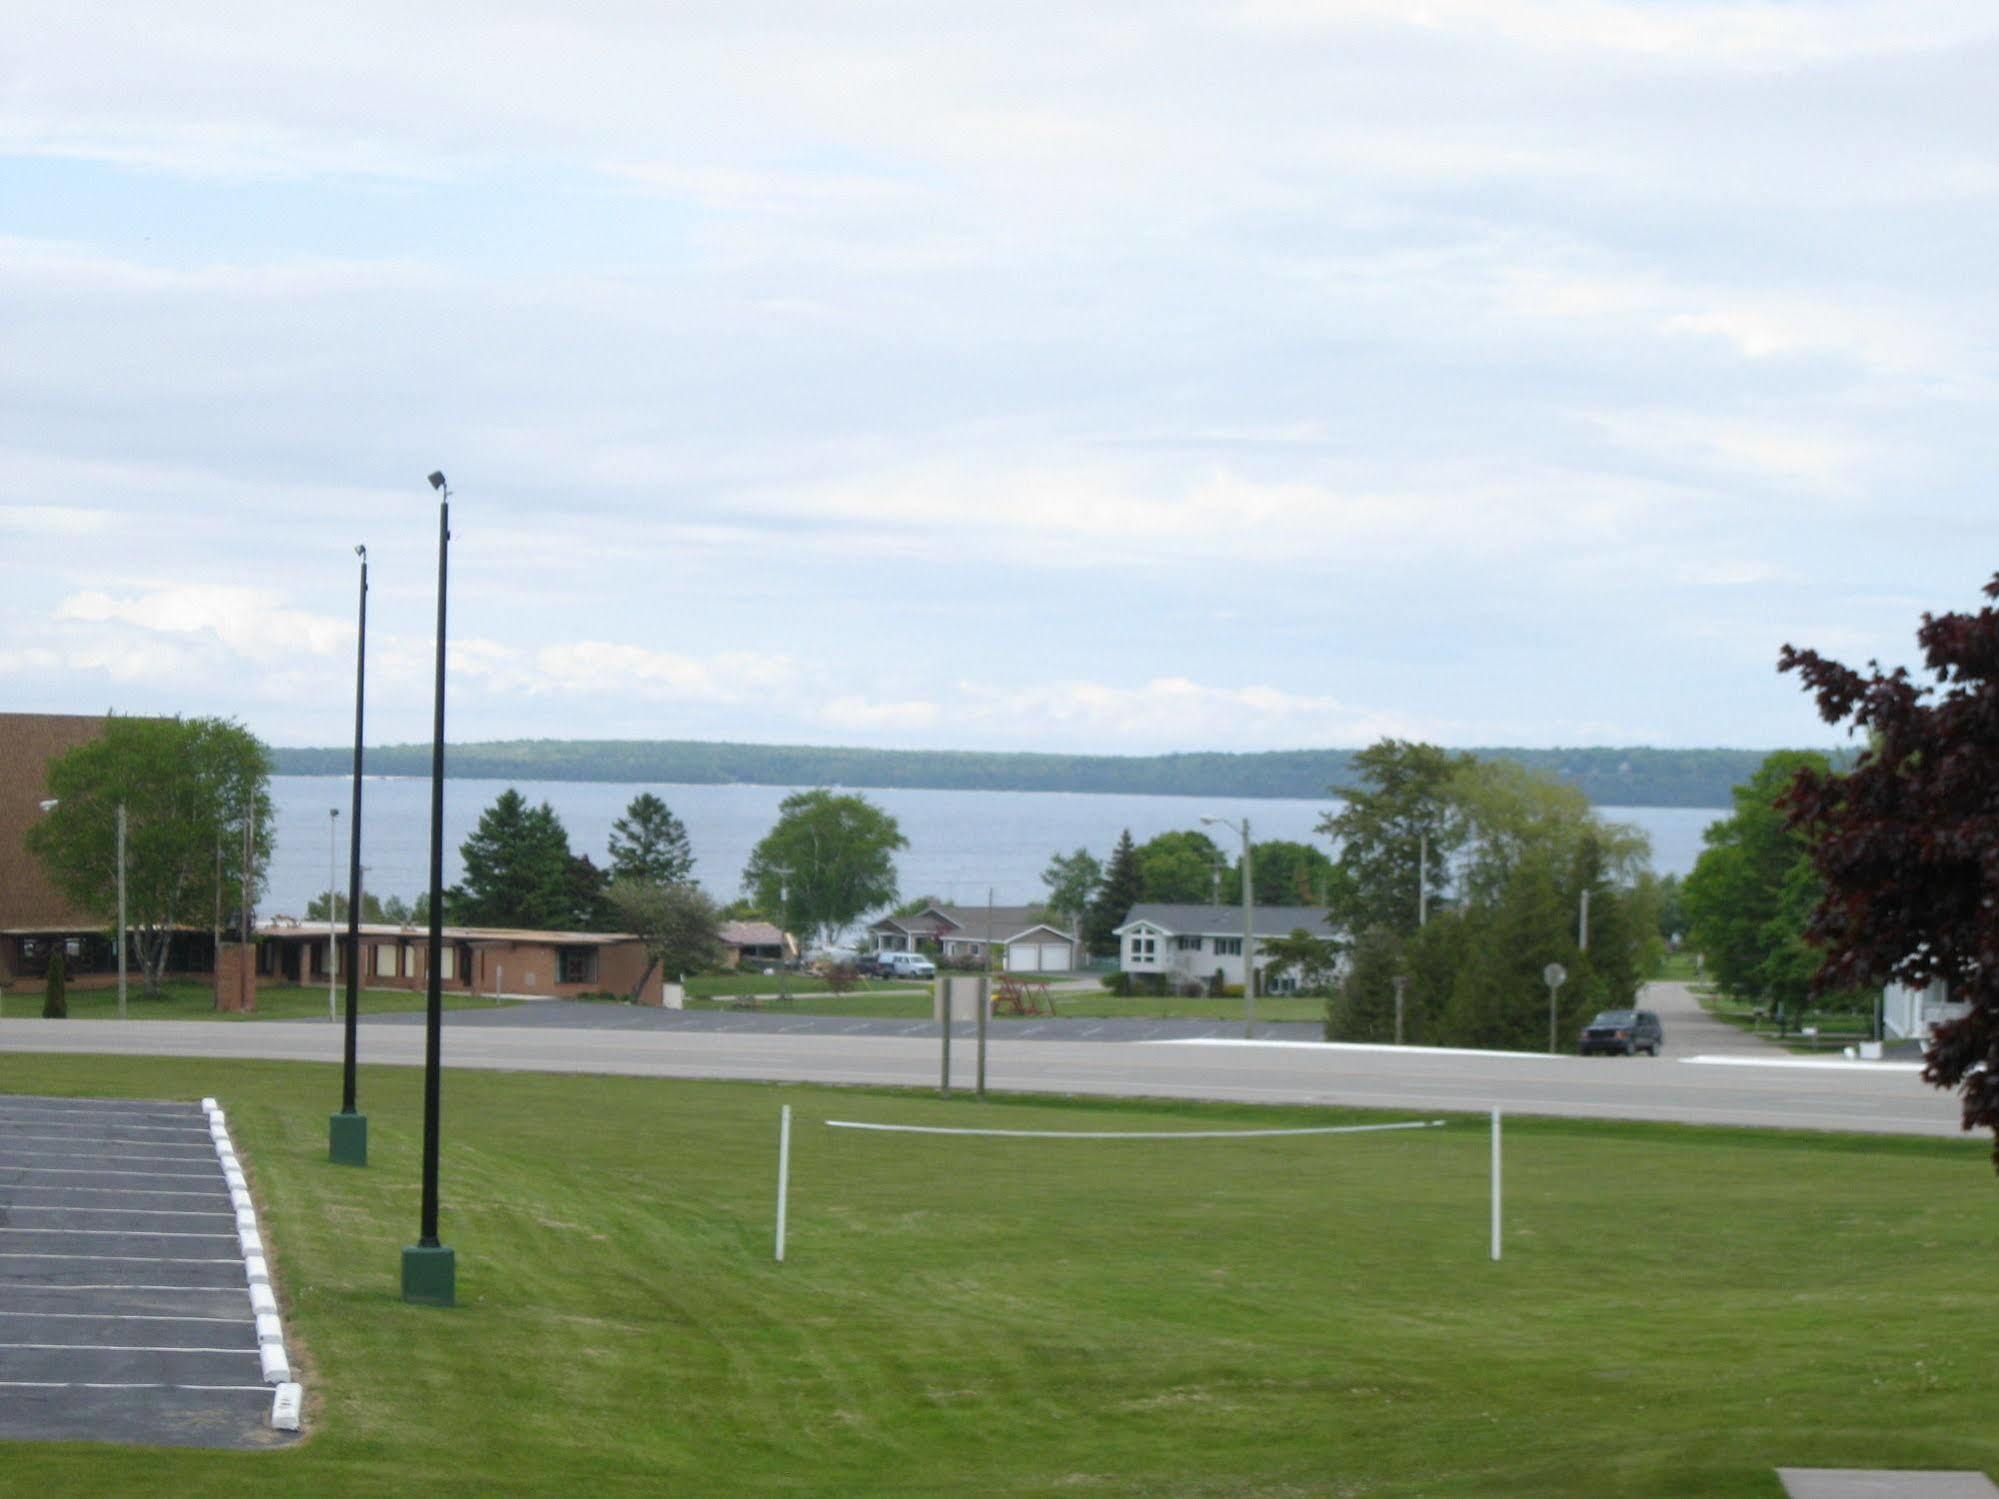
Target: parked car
{"points": [[1623, 1033], [869, 966], [907, 965]]}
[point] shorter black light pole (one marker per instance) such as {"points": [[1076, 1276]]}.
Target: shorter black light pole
{"points": [[347, 1131], [430, 1268]]}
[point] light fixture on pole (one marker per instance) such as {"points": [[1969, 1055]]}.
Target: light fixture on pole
{"points": [[1248, 928], [430, 1268], [347, 1131]]}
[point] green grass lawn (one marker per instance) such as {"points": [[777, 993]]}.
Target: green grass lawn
{"points": [[892, 1001], [1836, 1028], [190, 1001], [728, 985], [1679, 1311]]}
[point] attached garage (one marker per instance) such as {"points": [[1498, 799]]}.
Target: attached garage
{"points": [[1043, 950]]}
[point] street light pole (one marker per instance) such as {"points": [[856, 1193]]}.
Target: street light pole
{"points": [[332, 917], [1248, 928], [121, 910], [430, 1268], [1423, 878], [347, 1131]]}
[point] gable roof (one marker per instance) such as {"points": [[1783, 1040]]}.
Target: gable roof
{"points": [[750, 934], [1226, 921], [971, 923]]}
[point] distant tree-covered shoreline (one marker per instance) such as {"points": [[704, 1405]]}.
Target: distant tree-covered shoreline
{"points": [[1610, 777]]}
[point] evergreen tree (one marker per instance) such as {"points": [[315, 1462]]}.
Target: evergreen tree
{"points": [[1115, 897], [55, 996], [517, 869], [650, 844]]}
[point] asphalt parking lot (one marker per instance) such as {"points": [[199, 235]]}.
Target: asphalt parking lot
{"points": [[124, 1314]]}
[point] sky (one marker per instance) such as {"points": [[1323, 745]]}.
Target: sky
{"points": [[1096, 378]]}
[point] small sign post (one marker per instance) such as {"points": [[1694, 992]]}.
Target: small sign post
{"points": [[1553, 975]]}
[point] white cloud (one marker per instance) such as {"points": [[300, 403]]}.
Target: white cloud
{"points": [[249, 622], [1817, 457]]}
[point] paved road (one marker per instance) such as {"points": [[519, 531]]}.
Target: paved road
{"points": [[1791, 1093], [1691, 1031], [787, 1020]]}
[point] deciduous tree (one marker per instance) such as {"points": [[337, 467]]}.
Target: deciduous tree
{"points": [[1180, 867], [677, 922], [1406, 796], [829, 860], [1907, 842], [188, 786], [1071, 880]]}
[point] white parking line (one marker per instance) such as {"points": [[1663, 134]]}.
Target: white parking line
{"points": [[51, 1285], [88, 1137], [164, 1129], [89, 1384], [97, 1155], [172, 1176], [123, 1233], [63, 1207], [123, 1316], [128, 1191], [132, 1259], [129, 1348]]}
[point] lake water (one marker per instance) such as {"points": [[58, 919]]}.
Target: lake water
{"points": [[960, 842]]}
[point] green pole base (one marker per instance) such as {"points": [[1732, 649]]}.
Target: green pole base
{"points": [[430, 1275], [347, 1139]]}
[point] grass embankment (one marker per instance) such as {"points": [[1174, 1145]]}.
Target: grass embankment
{"points": [[894, 1002], [194, 1001], [1294, 1317]]}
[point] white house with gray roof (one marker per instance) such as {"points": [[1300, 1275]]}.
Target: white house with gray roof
{"points": [[1186, 943]]}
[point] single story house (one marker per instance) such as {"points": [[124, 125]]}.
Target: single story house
{"points": [[1193, 943], [755, 944], [488, 961], [1031, 942]]}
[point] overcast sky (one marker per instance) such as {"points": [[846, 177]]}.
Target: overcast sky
{"points": [[1044, 376]]}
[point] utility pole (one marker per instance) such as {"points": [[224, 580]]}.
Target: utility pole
{"points": [[121, 910], [1583, 942], [1423, 878], [1401, 984]]}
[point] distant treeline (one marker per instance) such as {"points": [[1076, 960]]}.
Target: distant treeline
{"points": [[1610, 777]]}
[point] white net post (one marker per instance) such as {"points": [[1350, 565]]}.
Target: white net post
{"points": [[1495, 1185], [783, 1174]]}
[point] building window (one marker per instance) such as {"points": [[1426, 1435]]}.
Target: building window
{"points": [[1143, 949], [1228, 947], [385, 960], [576, 965], [410, 961], [1187, 944], [447, 961]]}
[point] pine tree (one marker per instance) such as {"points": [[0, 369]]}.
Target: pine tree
{"points": [[55, 998], [1114, 898], [650, 844], [517, 869]]}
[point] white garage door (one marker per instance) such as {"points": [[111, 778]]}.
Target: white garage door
{"points": [[1054, 957], [1023, 957]]}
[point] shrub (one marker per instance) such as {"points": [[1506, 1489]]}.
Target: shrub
{"points": [[840, 977], [1119, 983], [55, 997], [1193, 988]]}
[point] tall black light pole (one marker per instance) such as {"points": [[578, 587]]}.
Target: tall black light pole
{"points": [[347, 1131], [430, 1269]]}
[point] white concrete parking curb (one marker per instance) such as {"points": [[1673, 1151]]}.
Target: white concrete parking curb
{"points": [[287, 1398]]}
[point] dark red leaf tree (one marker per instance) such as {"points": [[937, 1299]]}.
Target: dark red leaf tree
{"points": [[1907, 841]]}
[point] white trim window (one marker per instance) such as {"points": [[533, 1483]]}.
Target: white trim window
{"points": [[1144, 948]]}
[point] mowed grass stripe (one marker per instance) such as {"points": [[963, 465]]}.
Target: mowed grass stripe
{"points": [[1680, 1311]]}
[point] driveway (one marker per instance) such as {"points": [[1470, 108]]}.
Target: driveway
{"points": [[1692, 1032]]}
